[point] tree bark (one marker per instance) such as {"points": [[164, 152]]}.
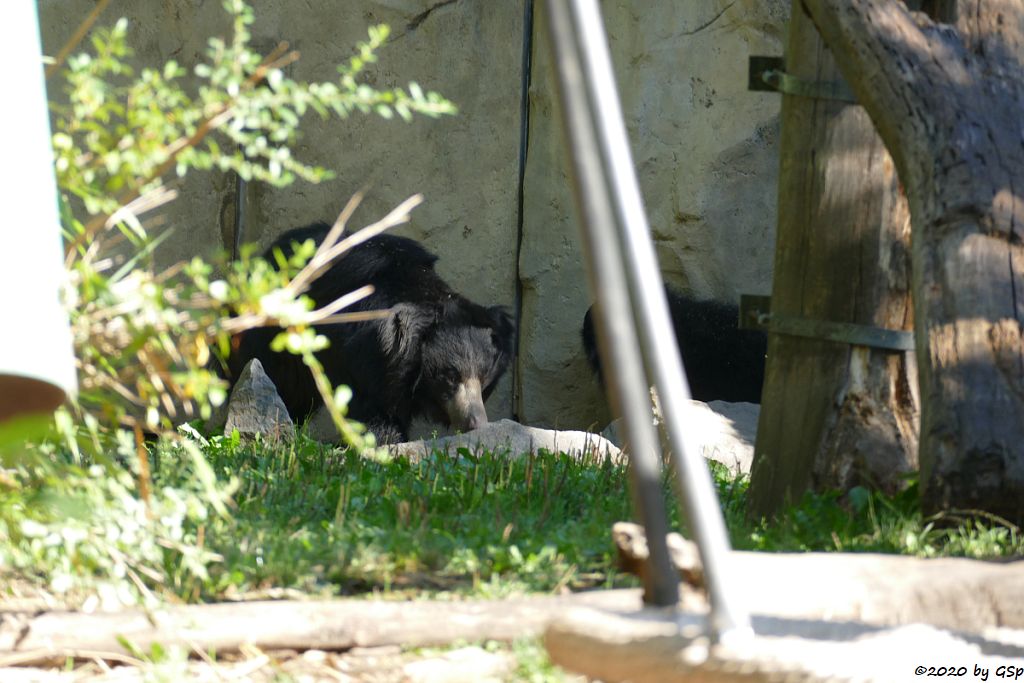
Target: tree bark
{"points": [[948, 103], [834, 415]]}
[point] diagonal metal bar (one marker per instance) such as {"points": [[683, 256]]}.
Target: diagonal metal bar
{"points": [[616, 335], [618, 246]]}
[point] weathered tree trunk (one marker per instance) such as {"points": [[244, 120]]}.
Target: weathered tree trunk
{"points": [[834, 415], [950, 107]]}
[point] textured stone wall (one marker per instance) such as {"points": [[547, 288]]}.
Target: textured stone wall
{"points": [[706, 155], [705, 148], [466, 166]]}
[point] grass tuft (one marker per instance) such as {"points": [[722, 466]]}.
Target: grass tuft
{"points": [[318, 520]]}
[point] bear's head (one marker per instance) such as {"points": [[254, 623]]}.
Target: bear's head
{"points": [[458, 350]]}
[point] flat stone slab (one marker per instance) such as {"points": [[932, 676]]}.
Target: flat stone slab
{"points": [[507, 436]]}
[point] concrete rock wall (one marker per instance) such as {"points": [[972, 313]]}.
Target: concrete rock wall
{"points": [[706, 154], [466, 166], [705, 149]]}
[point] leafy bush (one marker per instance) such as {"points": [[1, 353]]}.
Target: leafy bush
{"points": [[88, 533], [142, 337], [93, 509]]}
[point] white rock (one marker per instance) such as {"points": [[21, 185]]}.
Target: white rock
{"points": [[724, 432], [515, 439]]}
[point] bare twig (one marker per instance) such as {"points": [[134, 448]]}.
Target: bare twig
{"points": [[176, 148], [40, 655], [146, 202], [321, 261], [341, 221], [76, 37], [125, 392], [361, 316], [250, 321], [143, 455], [341, 302]]}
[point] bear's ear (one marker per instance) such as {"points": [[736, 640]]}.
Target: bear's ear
{"points": [[402, 330], [503, 329], [462, 311]]}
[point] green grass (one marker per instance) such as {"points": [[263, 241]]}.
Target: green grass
{"points": [[864, 521], [327, 521], [487, 525], [323, 521]]}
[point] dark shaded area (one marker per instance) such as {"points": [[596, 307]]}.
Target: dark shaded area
{"points": [[24, 396], [415, 22], [722, 362]]}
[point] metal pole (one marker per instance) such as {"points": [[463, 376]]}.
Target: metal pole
{"points": [[616, 336], [632, 240], [37, 362]]}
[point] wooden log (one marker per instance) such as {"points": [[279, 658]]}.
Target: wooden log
{"points": [[633, 557], [955, 593], [948, 105], [834, 415], [282, 625]]}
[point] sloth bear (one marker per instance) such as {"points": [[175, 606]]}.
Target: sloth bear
{"points": [[723, 362], [437, 354]]}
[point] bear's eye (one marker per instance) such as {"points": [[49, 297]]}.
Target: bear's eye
{"points": [[446, 383]]}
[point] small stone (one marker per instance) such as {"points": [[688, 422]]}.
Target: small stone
{"points": [[255, 408], [467, 664], [315, 656]]}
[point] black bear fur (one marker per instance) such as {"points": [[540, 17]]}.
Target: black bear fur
{"points": [[436, 355], [722, 362]]}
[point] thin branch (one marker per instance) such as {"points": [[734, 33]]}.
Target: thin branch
{"points": [[361, 316], [338, 229], [125, 392], [398, 215], [30, 656], [98, 221], [342, 302], [143, 204], [221, 113], [76, 38]]}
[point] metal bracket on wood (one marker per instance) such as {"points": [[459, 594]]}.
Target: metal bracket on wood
{"points": [[769, 74], [755, 314]]}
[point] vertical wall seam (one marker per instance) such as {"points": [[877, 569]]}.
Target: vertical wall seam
{"points": [[241, 197], [524, 134]]}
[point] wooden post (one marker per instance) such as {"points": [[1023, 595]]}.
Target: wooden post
{"points": [[948, 105], [834, 415]]}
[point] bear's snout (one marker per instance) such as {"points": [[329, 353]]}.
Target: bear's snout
{"points": [[465, 409], [476, 420]]}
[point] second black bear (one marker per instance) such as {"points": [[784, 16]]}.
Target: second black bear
{"points": [[436, 355], [723, 362]]}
